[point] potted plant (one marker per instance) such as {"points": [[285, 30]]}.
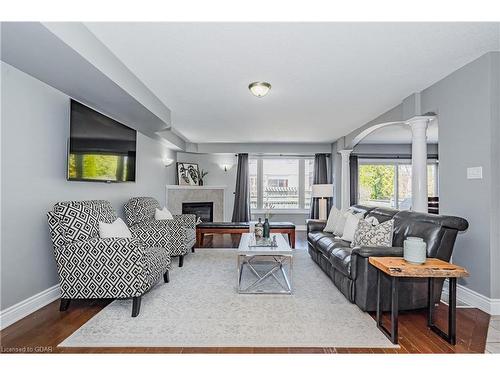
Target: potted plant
{"points": [[201, 174]]}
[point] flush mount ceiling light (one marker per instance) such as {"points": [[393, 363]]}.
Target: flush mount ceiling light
{"points": [[259, 89]]}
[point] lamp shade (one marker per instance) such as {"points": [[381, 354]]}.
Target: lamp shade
{"points": [[322, 190]]}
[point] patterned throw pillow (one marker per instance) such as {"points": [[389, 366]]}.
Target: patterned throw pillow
{"points": [[373, 235]]}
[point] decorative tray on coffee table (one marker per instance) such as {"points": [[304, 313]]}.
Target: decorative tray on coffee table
{"points": [[262, 242]]}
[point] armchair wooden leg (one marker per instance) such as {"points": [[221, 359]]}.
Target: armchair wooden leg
{"points": [[192, 249], [181, 260], [136, 306], [64, 304], [166, 276]]}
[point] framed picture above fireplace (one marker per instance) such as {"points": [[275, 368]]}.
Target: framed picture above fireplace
{"points": [[187, 174]]}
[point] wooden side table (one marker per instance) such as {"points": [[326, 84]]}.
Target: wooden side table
{"points": [[396, 267]]}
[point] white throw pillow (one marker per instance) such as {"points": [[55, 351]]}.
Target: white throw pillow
{"points": [[351, 223], [340, 224], [117, 229], [163, 214], [333, 218], [372, 220]]}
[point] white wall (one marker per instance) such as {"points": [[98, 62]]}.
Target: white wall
{"points": [[463, 101], [35, 129]]}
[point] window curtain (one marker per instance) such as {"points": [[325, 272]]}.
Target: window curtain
{"points": [[241, 210], [353, 172], [321, 176]]}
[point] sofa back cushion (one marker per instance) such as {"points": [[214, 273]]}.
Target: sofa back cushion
{"points": [[79, 220], [382, 214], [140, 209], [438, 231]]}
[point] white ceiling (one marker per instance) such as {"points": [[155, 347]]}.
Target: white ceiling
{"points": [[328, 78]]}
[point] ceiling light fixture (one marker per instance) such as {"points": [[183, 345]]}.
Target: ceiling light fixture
{"points": [[259, 89]]}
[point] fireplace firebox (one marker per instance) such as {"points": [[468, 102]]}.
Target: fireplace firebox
{"points": [[203, 210]]}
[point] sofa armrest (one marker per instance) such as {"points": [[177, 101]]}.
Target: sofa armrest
{"points": [[315, 225], [367, 251], [96, 268], [188, 220]]}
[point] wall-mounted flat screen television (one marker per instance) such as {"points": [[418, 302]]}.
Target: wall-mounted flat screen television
{"points": [[100, 148]]}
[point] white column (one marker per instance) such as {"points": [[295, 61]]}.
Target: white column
{"points": [[418, 127], [345, 191]]}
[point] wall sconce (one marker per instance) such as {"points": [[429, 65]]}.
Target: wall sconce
{"points": [[226, 167], [167, 161]]}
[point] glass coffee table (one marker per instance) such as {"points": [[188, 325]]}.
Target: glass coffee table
{"points": [[264, 270]]}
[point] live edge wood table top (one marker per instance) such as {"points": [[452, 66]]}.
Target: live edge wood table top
{"points": [[398, 267]]}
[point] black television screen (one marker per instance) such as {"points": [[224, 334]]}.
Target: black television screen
{"points": [[100, 148]]}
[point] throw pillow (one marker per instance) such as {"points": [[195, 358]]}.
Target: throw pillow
{"points": [[163, 214], [351, 223], [372, 220], [117, 229], [373, 235], [333, 218]]}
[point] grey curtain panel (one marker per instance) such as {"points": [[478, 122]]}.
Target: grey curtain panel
{"points": [[241, 210], [321, 176]]}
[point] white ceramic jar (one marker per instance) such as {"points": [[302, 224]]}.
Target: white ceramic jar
{"points": [[414, 250]]}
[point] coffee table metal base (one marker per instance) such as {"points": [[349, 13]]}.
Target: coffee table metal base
{"points": [[275, 265]]}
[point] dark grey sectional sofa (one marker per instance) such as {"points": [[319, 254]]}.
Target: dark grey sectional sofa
{"points": [[356, 278]]}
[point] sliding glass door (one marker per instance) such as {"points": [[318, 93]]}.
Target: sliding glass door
{"points": [[387, 183]]}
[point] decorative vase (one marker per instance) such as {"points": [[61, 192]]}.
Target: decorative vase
{"points": [[266, 228], [414, 250], [259, 229]]}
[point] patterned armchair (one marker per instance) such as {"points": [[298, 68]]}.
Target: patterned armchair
{"points": [[177, 235], [93, 267]]}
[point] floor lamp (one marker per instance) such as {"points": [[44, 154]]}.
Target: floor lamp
{"points": [[323, 192]]}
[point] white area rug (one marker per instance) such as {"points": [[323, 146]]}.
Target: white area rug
{"points": [[200, 307]]}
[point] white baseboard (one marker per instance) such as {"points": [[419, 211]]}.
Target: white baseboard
{"points": [[475, 299], [18, 311]]}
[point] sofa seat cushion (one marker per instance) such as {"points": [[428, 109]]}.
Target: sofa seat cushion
{"points": [[328, 244], [340, 258], [314, 237]]}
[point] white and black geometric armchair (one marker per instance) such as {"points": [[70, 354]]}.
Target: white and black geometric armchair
{"points": [[94, 267], [178, 235]]}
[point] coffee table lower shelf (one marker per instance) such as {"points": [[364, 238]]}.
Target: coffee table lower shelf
{"points": [[275, 266]]}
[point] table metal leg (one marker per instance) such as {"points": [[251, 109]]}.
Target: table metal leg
{"points": [[430, 301], [394, 310], [379, 301], [393, 334], [452, 311]]}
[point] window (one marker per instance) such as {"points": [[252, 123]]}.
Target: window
{"points": [[280, 183], [388, 183]]}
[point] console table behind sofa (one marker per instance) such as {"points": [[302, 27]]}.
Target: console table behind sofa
{"points": [[239, 228]]}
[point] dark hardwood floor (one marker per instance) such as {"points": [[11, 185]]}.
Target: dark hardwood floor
{"points": [[43, 330]]}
